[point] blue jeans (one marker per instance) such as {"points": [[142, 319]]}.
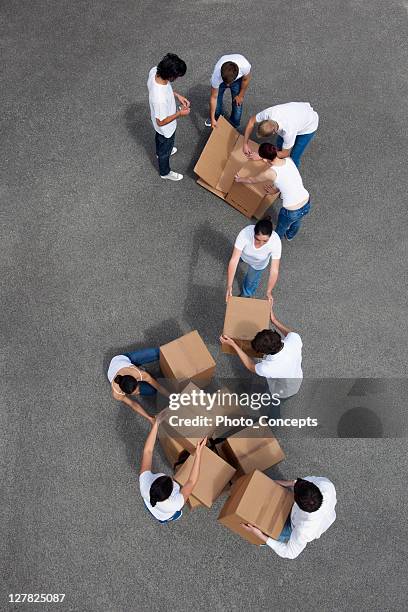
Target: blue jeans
{"points": [[289, 221], [236, 112], [164, 147], [286, 531], [251, 282], [141, 357], [301, 142]]}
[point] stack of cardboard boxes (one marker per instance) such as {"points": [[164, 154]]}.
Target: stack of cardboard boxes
{"points": [[236, 464]]}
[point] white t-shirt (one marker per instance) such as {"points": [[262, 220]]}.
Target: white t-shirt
{"points": [[283, 370], [165, 509], [244, 68], [290, 184], [293, 118], [119, 362], [162, 104], [308, 526], [257, 258]]}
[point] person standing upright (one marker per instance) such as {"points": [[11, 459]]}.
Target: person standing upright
{"points": [[232, 71], [163, 110]]}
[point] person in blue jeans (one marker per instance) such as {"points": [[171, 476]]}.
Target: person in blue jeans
{"points": [[232, 72], [129, 380]]}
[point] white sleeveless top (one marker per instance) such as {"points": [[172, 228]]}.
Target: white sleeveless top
{"points": [[119, 362], [290, 184]]}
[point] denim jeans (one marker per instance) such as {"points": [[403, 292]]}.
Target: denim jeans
{"points": [[286, 531], [289, 221], [164, 147], [251, 282], [236, 112], [141, 357], [301, 142]]}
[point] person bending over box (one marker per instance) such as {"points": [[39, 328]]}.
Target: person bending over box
{"points": [[312, 514]]}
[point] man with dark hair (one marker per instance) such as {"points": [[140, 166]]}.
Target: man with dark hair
{"points": [[231, 71], [281, 364], [163, 110], [312, 514]]}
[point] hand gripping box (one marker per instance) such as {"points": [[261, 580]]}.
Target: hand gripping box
{"points": [[256, 499], [215, 473], [250, 450], [221, 159], [244, 318], [187, 359]]}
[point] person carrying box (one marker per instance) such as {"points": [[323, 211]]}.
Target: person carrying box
{"points": [[232, 71], [312, 514], [285, 178], [295, 123], [281, 364], [162, 496], [256, 245]]}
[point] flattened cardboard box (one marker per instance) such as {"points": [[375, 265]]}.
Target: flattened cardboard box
{"points": [[187, 359], [221, 159], [187, 436], [258, 500], [244, 318], [250, 450], [215, 473]]}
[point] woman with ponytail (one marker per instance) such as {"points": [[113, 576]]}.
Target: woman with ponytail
{"points": [[128, 379], [286, 178], [256, 245], [161, 494]]}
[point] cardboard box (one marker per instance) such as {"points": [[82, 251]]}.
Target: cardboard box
{"points": [[193, 502], [220, 160], [244, 318], [250, 450], [258, 500], [187, 359], [215, 473], [187, 436], [172, 447]]}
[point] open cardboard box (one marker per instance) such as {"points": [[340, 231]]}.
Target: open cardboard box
{"points": [[244, 318], [256, 499], [250, 450], [221, 159], [172, 447], [215, 473], [187, 359]]}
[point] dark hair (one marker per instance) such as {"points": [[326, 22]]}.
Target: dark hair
{"points": [[171, 67], [267, 342], [229, 72], [307, 496], [161, 489], [267, 151], [264, 226], [126, 383]]}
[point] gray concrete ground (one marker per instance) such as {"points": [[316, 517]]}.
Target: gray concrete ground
{"points": [[98, 254]]}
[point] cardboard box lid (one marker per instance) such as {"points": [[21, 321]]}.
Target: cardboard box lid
{"points": [[215, 473], [187, 356], [245, 317], [252, 450], [216, 152], [263, 502]]}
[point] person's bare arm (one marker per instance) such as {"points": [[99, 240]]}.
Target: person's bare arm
{"points": [[213, 106], [246, 360], [280, 326], [286, 483], [187, 490], [147, 456], [180, 113], [263, 177], [133, 405], [244, 86], [248, 131], [154, 383], [232, 268], [273, 277], [182, 99], [283, 153]]}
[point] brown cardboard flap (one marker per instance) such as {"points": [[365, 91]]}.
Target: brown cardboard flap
{"points": [[250, 450], [213, 190], [267, 201], [245, 317], [216, 152], [234, 163], [244, 198], [186, 357]]}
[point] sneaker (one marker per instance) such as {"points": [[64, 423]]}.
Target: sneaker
{"points": [[288, 238], [173, 151], [207, 123], [173, 176]]}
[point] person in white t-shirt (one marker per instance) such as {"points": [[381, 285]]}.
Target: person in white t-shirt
{"points": [[162, 496], [163, 110], [312, 514], [281, 364], [256, 245], [295, 124], [232, 71], [287, 180]]}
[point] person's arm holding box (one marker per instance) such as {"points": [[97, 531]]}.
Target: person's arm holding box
{"points": [[147, 455], [246, 360], [280, 326], [288, 550], [187, 490]]}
